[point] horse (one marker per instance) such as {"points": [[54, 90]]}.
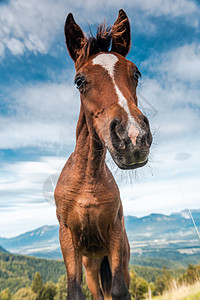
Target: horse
{"points": [[88, 204]]}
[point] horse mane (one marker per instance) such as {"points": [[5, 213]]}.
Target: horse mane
{"points": [[102, 42]]}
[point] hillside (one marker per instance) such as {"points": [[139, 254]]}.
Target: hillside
{"points": [[3, 250], [17, 271]]}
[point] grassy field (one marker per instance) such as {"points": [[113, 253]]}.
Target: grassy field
{"points": [[183, 292]]}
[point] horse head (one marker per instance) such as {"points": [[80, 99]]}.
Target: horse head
{"points": [[107, 83]]}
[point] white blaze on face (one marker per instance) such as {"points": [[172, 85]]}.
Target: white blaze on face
{"points": [[108, 61]]}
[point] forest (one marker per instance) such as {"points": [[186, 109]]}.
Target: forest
{"points": [[23, 277]]}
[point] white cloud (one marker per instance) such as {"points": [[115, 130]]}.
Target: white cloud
{"points": [[177, 121], [174, 92], [156, 8], [33, 25], [15, 46], [22, 205], [25, 179], [182, 63], [160, 196], [30, 25], [41, 115], [26, 217], [173, 8], [1, 49]]}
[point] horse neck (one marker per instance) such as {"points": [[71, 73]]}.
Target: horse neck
{"points": [[90, 150]]}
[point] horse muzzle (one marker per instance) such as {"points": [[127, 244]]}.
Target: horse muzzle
{"points": [[130, 144]]}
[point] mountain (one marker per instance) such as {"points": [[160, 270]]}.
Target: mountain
{"points": [[36, 242], [172, 237], [3, 250], [177, 226]]}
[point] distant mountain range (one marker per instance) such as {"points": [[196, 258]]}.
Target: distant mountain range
{"points": [[41, 242], [155, 235], [3, 250], [177, 226]]}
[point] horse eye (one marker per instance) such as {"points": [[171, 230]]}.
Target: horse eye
{"points": [[79, 81], [137, 75]]}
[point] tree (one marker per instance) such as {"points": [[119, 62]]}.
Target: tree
{"points": [[37, 284], [49, 291], [138, 286], [141, 289], [61, 288], [163, 283], [6, 295], [133, 283], [25, 293], [151, 289], [191, 275]]}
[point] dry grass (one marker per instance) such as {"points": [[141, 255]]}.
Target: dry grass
{"points": [[183, 292]]}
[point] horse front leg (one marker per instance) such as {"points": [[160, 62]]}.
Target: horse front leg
{"points": [[92, 268], [73, 264], [126, 259], [119, 290]]}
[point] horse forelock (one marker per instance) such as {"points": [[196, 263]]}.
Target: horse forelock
{"points": [[102, 42]]}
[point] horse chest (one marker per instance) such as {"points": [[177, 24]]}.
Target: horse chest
{"points": [[93, 211], [90, 222]]}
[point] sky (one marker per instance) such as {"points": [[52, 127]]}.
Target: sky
{"points": [[39, 105]]}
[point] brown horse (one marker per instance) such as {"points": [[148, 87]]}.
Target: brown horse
{"points": [[89, 207]]}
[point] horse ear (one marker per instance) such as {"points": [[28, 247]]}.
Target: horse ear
{"points": [[74, 37], [121, 34]]}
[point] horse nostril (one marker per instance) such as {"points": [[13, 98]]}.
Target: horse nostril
{"points": [[149, 138], [146, 121], [146, 138], [115, 133], [113, 124]]}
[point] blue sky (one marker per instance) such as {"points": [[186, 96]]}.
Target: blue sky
{"points": [[39, 104]]}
